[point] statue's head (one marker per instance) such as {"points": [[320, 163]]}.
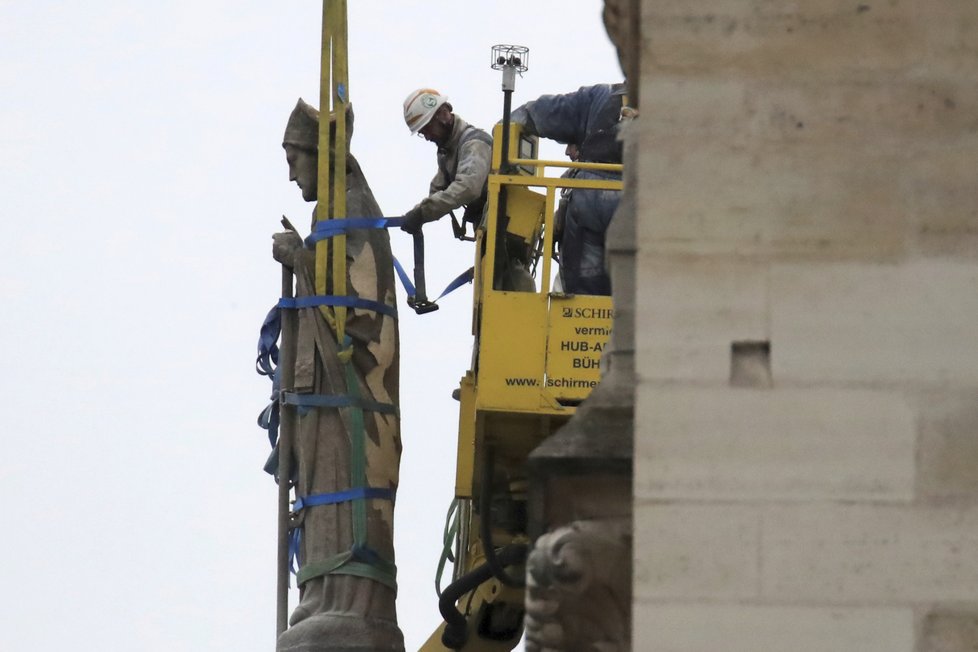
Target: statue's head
{"points": [[301, 143]]}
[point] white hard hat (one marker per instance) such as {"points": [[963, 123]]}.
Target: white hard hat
{"points": [[420, 107]]}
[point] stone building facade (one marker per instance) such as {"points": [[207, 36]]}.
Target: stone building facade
{"points": [[806, 325]]}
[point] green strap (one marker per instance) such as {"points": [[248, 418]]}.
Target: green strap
{"points": [[381, 570], [448, 539], [374, 572], [327, 566], [348, 563], [358, 455]]}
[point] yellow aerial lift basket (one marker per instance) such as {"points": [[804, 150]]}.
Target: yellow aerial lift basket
{"points": [[537, 356]]}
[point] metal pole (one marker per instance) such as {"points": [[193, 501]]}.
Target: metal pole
{"points": [[285, 439], [507, 106]]}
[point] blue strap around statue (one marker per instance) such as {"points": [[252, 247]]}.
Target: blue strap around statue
{"points": [[357, 493], [324, 229], [334, 300]]}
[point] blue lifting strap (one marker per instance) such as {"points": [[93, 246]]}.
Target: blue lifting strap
{"points": [[334, 300], [405, 279], [328, 228], [460, 280], [357, 493], [267, 348], [295, 540], [266, 364]]}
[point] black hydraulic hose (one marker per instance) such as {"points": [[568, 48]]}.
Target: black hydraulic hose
{"points": [[485, 525], [455, 634]]}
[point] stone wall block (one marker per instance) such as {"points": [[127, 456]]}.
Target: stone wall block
{"points": [[858, 554], [749, 628], [771, 38], [714, 198], [880, 114], [774, 445], [942, 191], [875, 323], [692, 310], [694, 551]]}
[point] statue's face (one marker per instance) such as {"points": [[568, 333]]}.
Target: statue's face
{"points": [[303, 169]]}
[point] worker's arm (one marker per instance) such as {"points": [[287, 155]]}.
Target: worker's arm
{"points": [[560, 117], [474, 160]]}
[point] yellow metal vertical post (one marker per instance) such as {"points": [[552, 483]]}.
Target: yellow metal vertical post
{"points": [[323, 183]]}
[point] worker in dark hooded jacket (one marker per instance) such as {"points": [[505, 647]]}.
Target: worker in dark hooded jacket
{"points": [[588, 118]]}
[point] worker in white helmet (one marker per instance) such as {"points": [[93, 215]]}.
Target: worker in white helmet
{"points": [[464, 157]]}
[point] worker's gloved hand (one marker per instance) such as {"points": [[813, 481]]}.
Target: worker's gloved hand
{"points": [[412, 221], [284, 246]]}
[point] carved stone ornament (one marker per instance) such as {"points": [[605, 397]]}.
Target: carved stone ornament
{"points": [[579, 588]]}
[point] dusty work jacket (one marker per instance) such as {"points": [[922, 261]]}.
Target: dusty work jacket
{"points": [[463, 172]]}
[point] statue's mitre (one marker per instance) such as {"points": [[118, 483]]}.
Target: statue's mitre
{"points": [[302, 129]]}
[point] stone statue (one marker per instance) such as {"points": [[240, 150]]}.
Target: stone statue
{"points": [[345, 549]]}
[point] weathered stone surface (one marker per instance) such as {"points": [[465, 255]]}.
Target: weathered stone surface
{"points": [[942, 190], [707, 201], [833, 554], [949, 446], [622, 22], [696, 551], [771, 38], [808, 179], [946, 631], [693, 310], [780, 444], [949, 28], [857, 553], [876, 114], [752, 628], [875, 323]]}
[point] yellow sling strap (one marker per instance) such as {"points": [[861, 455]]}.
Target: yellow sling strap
{"points": [[333, 102]]}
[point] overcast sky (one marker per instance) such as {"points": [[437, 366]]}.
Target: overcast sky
{"points": [[141, 176]]}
